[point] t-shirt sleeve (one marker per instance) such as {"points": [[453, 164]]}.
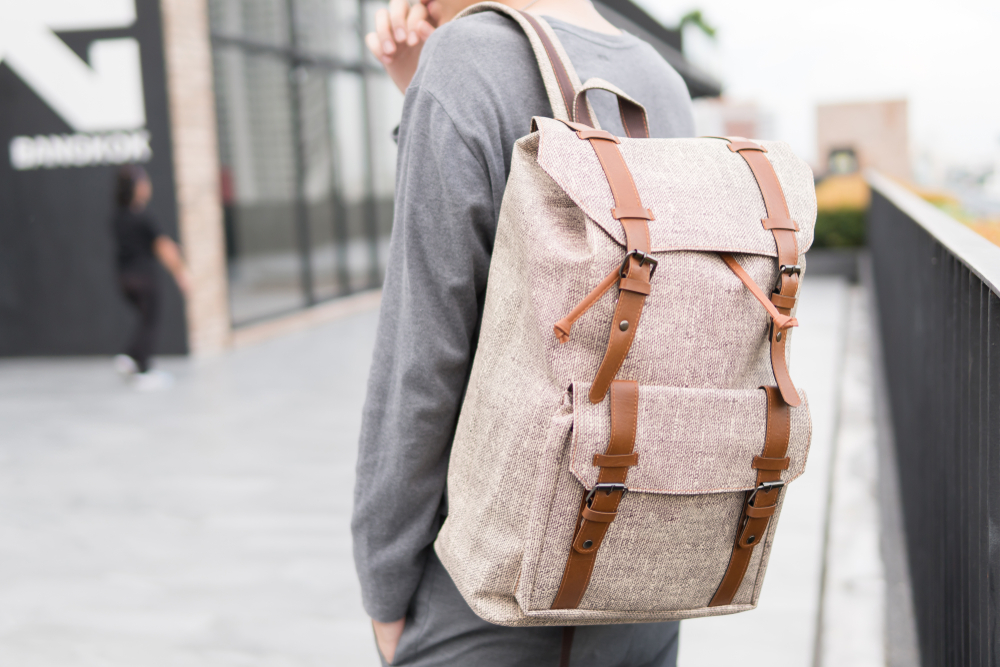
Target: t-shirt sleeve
{"points": [[438, 262]]}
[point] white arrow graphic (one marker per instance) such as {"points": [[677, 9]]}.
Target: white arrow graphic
{"points": [[104, 95]]}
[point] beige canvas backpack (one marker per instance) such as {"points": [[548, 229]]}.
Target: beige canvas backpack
{"points": [[630, 422]]}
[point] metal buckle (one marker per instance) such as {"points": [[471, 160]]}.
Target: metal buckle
{"points": [[608, 487], [788, 270], [643, 258], [764, 487]]}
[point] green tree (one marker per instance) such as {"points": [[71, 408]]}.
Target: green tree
{"points": [[695, 18]]}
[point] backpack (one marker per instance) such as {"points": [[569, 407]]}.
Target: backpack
{"points": [[630, 423]]}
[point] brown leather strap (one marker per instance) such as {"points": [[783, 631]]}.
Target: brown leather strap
{"points": [[567, 645], [630, 303], [760, 504], [597, 515], [562, 76], [633, 120], [633, 116], [780, 320], [779, 222], [563, 326]]}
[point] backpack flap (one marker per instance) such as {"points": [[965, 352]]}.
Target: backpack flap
{"points": [[704, 197]]}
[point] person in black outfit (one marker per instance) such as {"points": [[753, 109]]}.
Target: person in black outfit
{"points": [[140, 243]]}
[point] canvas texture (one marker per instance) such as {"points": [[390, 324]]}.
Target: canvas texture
{"points": [[522, 457]]}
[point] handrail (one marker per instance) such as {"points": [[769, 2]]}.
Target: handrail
{"points": [[980, 255], [936, 287]]}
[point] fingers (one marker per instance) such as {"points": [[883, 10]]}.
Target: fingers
{"points": [[397, 16], [418, 27], [397, 26], [383, 29], [373, 44]]}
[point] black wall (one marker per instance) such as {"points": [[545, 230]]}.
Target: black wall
{"points": [[58, 289]]}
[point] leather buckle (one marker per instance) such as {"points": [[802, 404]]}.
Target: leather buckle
{"points": [[607, 487], [643, 257]]}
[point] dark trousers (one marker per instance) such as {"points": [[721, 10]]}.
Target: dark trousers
{"points": [[442, 631], [143, 293]]}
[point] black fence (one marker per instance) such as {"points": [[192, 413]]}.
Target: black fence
{"points": [[939, 309]]}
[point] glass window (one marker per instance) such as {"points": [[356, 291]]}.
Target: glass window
{"points": [[306, 149], [264, 21], [329, 28], [257, 159]]}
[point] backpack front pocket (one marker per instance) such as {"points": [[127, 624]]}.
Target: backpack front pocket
{"points": [[670, 543]]}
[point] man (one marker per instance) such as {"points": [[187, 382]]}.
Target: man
{"points": [[471, 89]]}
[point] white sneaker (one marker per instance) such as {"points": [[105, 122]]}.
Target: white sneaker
{"points": [[125, 365], [152, 380]]}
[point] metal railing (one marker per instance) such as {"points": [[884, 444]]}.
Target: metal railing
{"points": [[938, 292]]}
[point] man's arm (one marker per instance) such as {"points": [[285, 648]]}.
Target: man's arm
{"points": [[436, 276]]}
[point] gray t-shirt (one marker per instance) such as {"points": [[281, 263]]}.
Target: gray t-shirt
{"points": [[473, 96]]}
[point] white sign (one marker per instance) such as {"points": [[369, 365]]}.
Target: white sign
{"points": [[105, 94], [79, 150]]}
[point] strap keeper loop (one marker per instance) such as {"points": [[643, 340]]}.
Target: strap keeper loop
{"points": [[764, 463], [780, 223], [598, 517], [597, 134], [761, 512], [737, 146], [620, 212], [616, 460], [633, 285]]}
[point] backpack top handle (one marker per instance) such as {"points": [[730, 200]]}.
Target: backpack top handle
{"points": [[562, 84]]}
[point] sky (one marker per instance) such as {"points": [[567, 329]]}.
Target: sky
{"points": [[790, 55]]}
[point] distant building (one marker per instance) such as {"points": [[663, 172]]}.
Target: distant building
{"points": [[864, 135], [265, 127], [724, 117]]}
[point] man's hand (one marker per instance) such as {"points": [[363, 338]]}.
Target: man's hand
{"points": [[387, 637], [400, 33]]}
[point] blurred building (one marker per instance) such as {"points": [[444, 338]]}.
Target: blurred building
{"points": [[265, 127], [858, 136], [724, 117]]}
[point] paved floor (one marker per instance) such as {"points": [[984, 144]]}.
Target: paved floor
{"points": [[207, 525]]}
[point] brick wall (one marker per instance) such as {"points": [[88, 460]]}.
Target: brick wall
{"points": [[196, 170]]}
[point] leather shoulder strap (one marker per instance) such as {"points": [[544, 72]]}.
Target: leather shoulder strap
{"points": [[560, 79]]}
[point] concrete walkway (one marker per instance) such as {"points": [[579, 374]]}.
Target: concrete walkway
{"points": [[207, 525]]}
